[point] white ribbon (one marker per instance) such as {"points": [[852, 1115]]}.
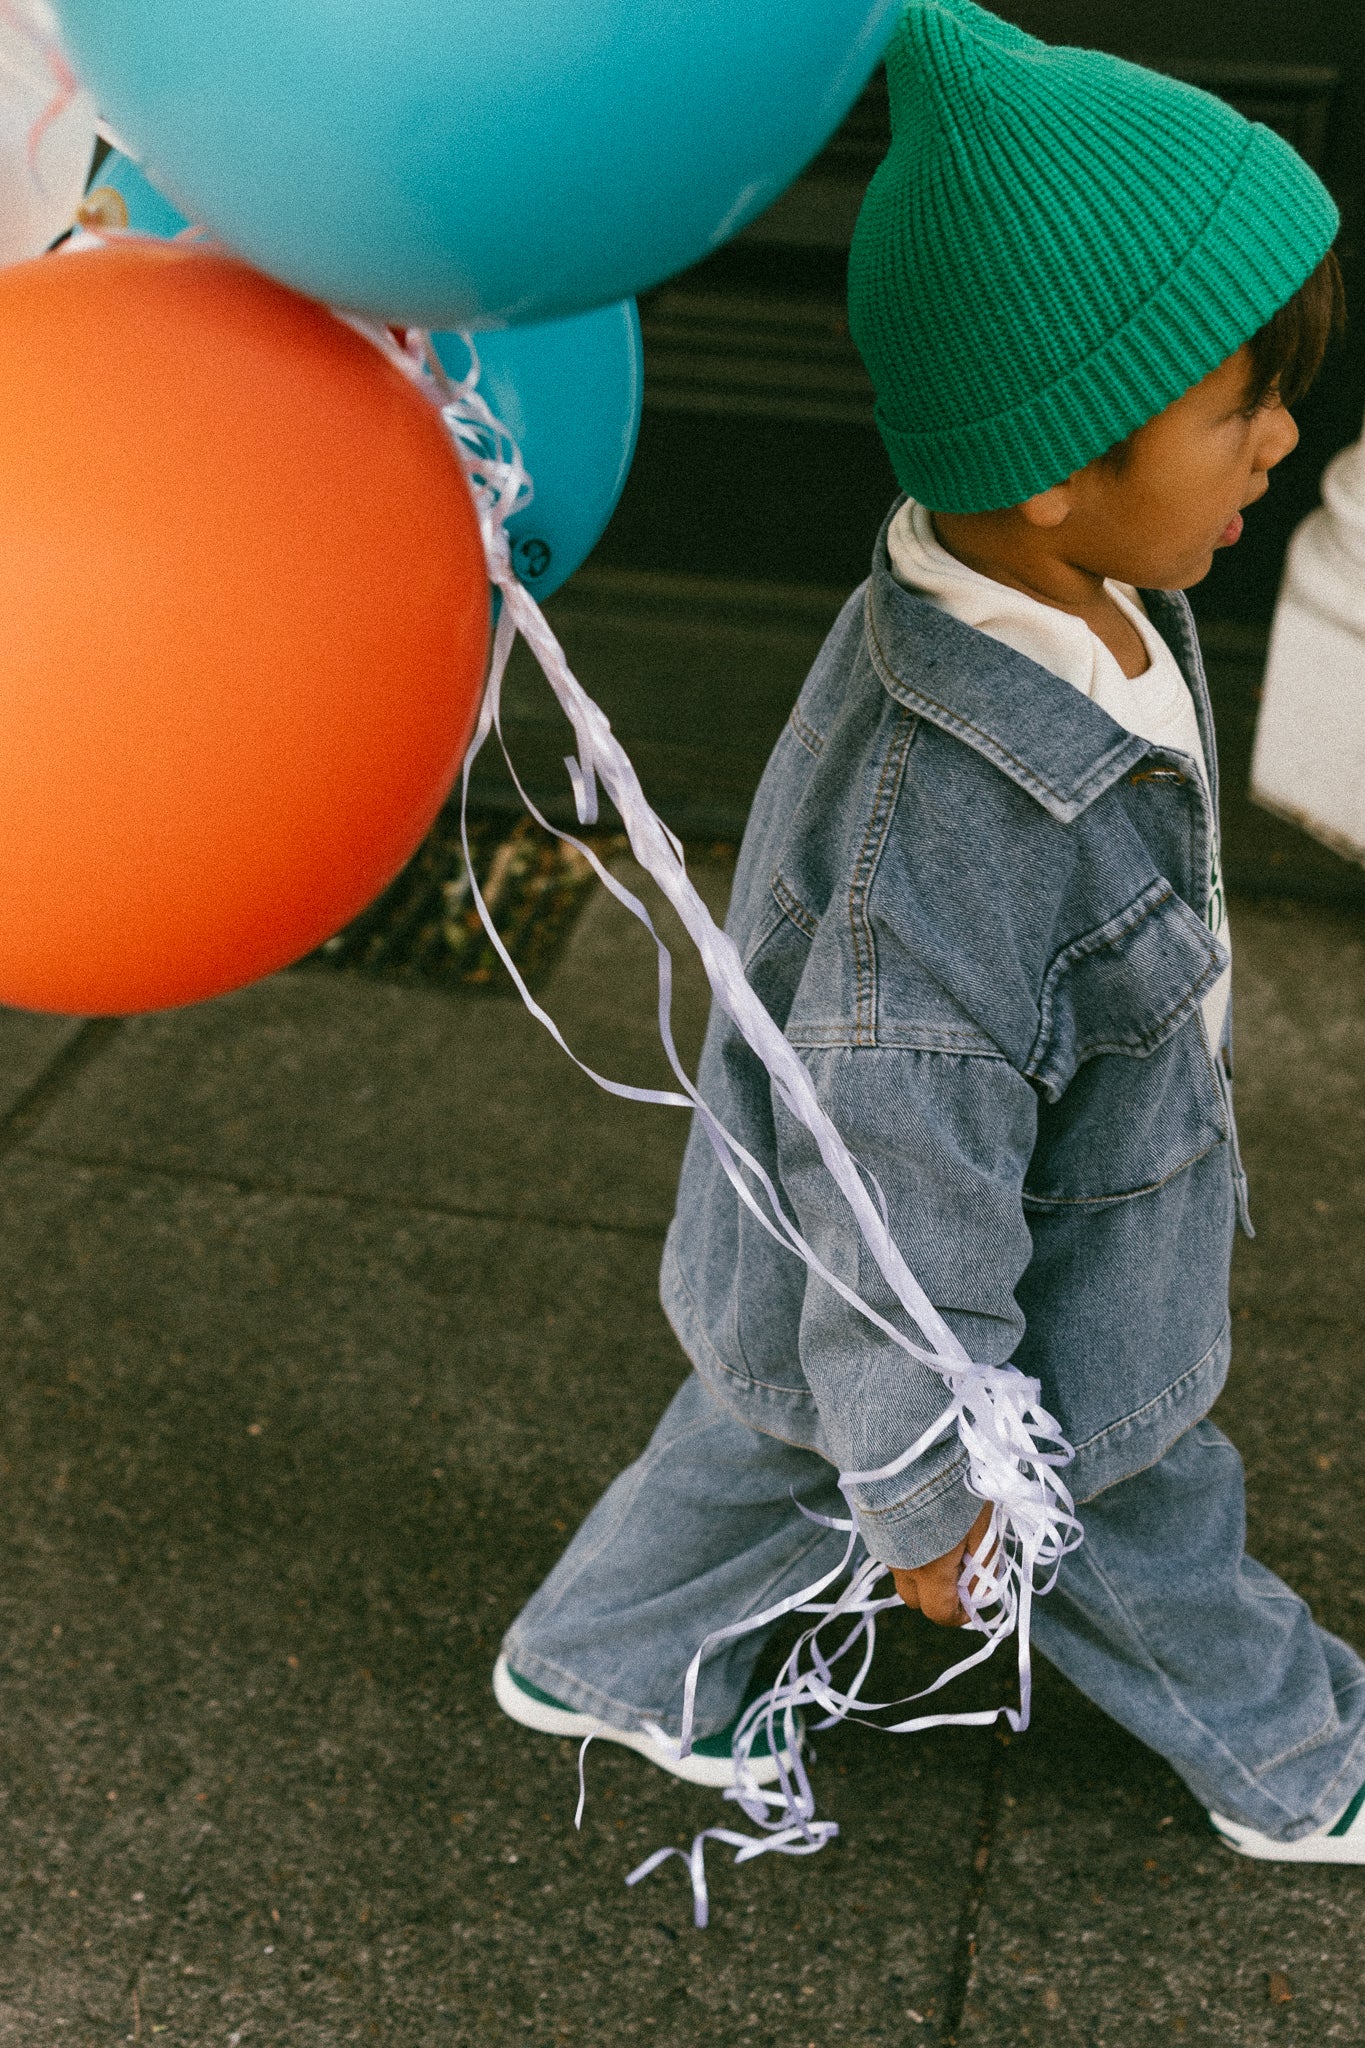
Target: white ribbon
{"points": [[47, 132], [1014, 1447]]}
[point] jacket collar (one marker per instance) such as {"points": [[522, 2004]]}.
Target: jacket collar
{"points": [[1033, 725]]}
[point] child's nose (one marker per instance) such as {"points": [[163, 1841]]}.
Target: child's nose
{"points": [[1281, 437]]}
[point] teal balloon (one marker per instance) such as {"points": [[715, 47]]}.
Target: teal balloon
{"points": [[569, 392], [458, 163], [148, 212]]}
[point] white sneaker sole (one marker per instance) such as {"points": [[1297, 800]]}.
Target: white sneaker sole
{"points": [[715, 1771], [1318, 1848]]}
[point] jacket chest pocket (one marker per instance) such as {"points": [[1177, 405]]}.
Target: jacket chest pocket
{"points": [[1130, 1095]]}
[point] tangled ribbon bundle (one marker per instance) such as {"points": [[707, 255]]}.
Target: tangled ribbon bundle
{"points": [[1014, 1447]]}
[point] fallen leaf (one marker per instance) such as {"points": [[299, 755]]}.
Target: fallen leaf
{"points": [[1277, 1989]]}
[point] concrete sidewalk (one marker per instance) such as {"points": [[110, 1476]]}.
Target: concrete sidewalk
{"points": [[327, 1310]]}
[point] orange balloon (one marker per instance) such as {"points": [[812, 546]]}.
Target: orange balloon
{"points": [[243, 626]]}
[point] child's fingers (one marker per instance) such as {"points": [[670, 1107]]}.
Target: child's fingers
{"points": [[932, 1589], [938, 1595], [907, 1585]]}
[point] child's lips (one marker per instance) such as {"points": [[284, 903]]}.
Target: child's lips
{"points": [[1232, 532]]}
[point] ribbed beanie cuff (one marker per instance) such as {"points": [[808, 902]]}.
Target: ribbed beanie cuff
{"points": [[1236, 228]]}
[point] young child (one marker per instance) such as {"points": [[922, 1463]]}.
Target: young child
{"points": [[980, 893]]}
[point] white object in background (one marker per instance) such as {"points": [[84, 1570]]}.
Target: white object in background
{"points": [[47, 132], [1309, 761]]}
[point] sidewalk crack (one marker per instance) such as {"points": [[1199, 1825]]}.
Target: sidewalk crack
{"points": [[963, 1965], [391, 1201], [28, 1110]]}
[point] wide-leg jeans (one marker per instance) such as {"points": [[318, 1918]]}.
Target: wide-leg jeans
{"points": [[1160, 1617]]}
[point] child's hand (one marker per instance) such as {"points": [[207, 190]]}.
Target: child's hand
{"points": [[932, 1588]]}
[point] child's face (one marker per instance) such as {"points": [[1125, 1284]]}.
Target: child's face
{"points": [[1156, 519]]}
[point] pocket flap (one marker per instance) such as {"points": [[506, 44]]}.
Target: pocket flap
{"points": [[1124, 987]]}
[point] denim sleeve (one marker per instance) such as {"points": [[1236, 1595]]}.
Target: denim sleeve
{"points": [[948, 1138]]}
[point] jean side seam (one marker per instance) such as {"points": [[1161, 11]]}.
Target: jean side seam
{"points": [[1186, 1714]]}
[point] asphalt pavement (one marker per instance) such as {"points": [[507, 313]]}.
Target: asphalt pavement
{"points": [[326, 1311]]}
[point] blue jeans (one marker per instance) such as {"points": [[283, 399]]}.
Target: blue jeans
{"points": [[1160, 1617]]}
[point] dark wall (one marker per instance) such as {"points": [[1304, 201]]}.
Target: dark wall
{"points": [[1262, 31]]}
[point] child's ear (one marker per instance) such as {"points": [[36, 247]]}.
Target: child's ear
{"points": [[1049, 508]]}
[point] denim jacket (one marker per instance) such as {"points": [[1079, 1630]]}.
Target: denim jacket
{"points": [[975, 904]]}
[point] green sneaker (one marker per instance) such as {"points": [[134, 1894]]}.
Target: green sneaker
{"points": [[709, 1762], [1343, 1842]]}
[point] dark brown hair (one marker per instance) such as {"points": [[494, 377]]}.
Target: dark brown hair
{"points": [[1286, 354]]}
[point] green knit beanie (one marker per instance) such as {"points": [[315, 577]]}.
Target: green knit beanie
{"points": [[1057, 245]]}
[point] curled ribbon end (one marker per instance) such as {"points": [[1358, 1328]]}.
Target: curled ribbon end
{"points": [[584, 790], [582, 1783]]}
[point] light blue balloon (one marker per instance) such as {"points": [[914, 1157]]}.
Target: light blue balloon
{"points": [[457, 163], [148, 212], [569, 392]]}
